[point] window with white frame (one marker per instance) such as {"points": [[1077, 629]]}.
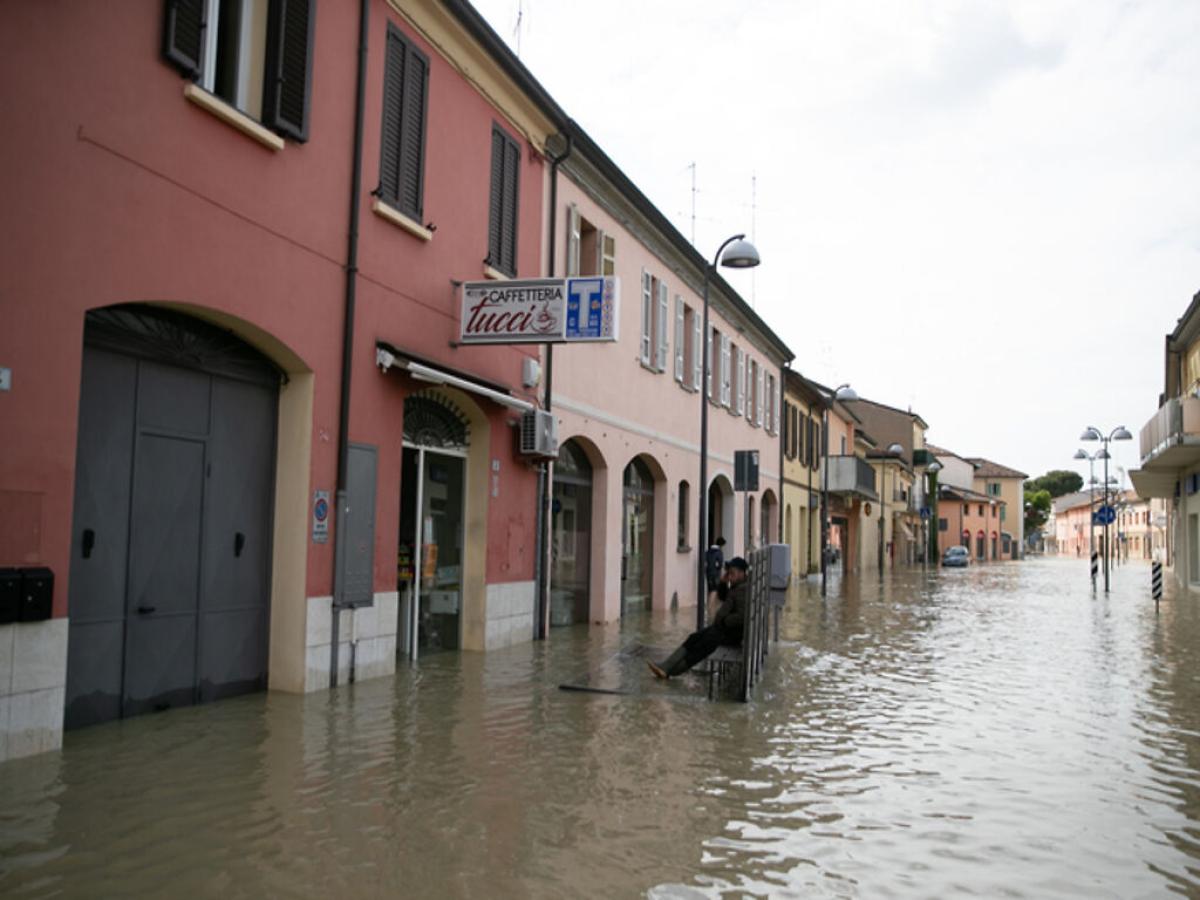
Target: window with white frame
{"points": [[655, 341], [256, 55], [710, 339], [751, 374], [680, 326], [661, 326], [590, 250], [760, 396], [739, 370], [726, 372], [694, 350], [647, 345]]}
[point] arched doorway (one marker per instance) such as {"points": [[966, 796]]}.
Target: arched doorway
{"points": [[431, 553], [637, 537], [748, 526], [571, 530], [770, 514], [171, 559]]}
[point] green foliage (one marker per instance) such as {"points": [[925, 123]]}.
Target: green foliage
{"points": [[1037, 509], [1056, 483]]}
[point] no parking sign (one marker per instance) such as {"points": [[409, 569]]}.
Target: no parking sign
{"points": [[320, 532]]}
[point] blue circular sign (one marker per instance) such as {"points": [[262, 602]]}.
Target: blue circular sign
{"points": [[321, 510]]}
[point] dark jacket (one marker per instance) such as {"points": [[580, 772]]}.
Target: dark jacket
{"points": [[732, 612], [714, 559]]}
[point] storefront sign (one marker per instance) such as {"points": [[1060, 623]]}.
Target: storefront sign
{"points": [[539, 311]]}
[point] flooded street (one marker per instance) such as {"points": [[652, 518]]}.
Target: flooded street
{"points": [[995, 731]]}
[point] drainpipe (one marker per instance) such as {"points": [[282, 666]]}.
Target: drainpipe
{"points": [[343, 512], [546, 475]]}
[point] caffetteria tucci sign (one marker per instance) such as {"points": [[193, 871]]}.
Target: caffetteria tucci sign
{"points": [[540, 311]]}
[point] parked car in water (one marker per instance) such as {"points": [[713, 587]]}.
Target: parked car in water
{"points": [[956, 557]]}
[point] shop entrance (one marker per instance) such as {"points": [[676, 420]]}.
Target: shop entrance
{"points": [[572, 535], [171, 548], [637, 538], [430, 557]]}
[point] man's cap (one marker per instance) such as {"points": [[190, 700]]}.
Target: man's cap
{"points": [[738, 563]]}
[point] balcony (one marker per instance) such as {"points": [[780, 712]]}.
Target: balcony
{"points": [[851, 475], [1171, 439]]}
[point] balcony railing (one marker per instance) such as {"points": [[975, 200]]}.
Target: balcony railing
{"points": [[1175, 425], [850, 474]]}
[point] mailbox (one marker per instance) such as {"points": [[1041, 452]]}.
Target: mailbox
{"points": [[37, 594], [10, 595]]}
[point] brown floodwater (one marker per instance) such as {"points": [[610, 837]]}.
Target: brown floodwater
{"points": [[995, 731]]}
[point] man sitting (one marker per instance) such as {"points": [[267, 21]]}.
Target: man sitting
{"points": [[725, 630]]}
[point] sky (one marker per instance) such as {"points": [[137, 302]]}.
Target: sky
{"points": [[985, 211]]}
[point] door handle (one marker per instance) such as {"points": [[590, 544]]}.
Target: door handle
{"points": [[239, 541], [146, 610], [89, 541]]}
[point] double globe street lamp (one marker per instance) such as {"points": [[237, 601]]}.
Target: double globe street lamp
{"points": [[735, 253], [1092, 433]]}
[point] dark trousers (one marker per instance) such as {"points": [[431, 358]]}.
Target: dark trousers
{"points": [[699, 646]]}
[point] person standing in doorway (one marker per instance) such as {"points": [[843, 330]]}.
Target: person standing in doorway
{"points": [[725, 630], [714, 561]]}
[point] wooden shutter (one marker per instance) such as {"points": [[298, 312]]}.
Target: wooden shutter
{"points": [[647, 317], [758, 396], [696, 339], [573, 236], [787, 432], [183, 35], [608, 253], [660, 329], [496, 199], [725, 371], [512, 158], [739, 375], [751, 394], [287, 80], [679, 337], [708, 356], [411, 196]]}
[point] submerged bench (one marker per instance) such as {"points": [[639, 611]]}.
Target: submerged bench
{"points": [[770, 572]]}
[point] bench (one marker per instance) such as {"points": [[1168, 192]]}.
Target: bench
{"points": [[745, 662]]}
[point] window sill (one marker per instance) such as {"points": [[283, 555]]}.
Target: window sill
{"points": [[683, 548], [232, 116], [494, 274], [390, 214]]}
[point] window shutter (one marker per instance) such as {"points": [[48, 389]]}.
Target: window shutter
{"points": [[787, 433], [647, 316], [696, 338], [287, 81], [708, 356], [775, 403], [496, 199], [572, 241], [608, 254], [393, 93], [512, 157], [183, 35], [751, 369], [660, 328], [739, 373], [758, 396], [679, 333], [412, 134], [725, 373]]}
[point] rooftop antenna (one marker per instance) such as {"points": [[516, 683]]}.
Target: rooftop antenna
{"points": [[517, 29], [692, 166]]}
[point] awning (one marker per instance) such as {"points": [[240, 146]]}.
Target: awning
{"points": [[387, 357], [1153, 484]]}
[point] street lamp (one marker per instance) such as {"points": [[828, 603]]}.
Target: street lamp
{"points": [[843, 392], [1091, 458], [1092, 433], [893, 449], [735, 253], [931, 504]]}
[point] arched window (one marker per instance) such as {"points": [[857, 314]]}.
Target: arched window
{"points": [[684, 519]]}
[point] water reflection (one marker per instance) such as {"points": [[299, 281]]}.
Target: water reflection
{"points": [[994, 731]]}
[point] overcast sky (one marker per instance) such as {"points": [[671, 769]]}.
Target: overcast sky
{"points": [[987, 211]]}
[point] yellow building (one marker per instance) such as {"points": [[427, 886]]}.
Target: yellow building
{"points": [[803, 409]]}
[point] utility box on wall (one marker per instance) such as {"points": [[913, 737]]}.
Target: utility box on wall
{"points": [[10, 595], [37, 595]]}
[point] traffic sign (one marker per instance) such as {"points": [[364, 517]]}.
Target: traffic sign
{"points": [[1105, 515], [924, 512]]}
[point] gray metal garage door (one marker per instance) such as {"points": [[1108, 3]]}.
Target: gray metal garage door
{"points": [[171, 545]]}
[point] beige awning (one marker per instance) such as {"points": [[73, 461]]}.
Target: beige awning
{"points": [[1153, 484]]}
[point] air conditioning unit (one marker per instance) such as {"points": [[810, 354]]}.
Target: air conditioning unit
{"points": [[539, 434]]}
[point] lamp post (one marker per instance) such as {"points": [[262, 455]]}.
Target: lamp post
{"points": [[843, 392], [735, 253], [931, 520], [1091, 433], [893, 450], [1083, 454]]}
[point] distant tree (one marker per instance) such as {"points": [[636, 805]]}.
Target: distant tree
{"points": [[1056, 483], [1037, 509]]}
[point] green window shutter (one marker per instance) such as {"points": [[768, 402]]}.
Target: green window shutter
{"points": [[183, 35], [287, 80]]}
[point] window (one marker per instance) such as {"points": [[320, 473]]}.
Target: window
{"points": [[771, 401], [760, 398], [788, 430], [843, 451], [697, 327], [589, 250], [819, 450], [402, 157], [684, 507], [943, 524], [981, 509], [256, 55], [654, 343], [502, 208], [726, 371], [739, 374], [751, 394], [708, 354], [680, 326]]}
